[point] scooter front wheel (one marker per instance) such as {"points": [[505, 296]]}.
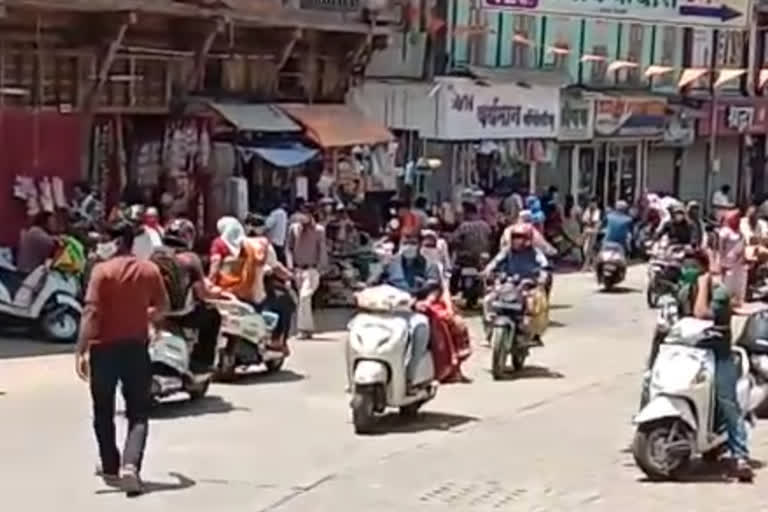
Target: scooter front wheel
{"points": [[363, 417], [662, 449]]}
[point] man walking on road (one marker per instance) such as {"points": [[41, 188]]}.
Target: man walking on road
{"points": [[277, 228], [306, 255], [124, 295]]}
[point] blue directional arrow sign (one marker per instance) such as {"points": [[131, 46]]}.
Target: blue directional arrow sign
{"points": [[719, 12]]}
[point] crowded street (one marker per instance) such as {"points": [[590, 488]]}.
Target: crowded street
{"points": [[555, 436]]}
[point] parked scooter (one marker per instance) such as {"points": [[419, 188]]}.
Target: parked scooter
{"points": [[678, 423], [377, 371], [506, 326], [169, 353], [46, 298], [244, 339], [611, 266]]}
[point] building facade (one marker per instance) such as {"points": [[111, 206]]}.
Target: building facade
{"points": [[625, 124]]}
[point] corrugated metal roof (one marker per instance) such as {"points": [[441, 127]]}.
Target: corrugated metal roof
{"points": [[333, 126], [257, 117]]}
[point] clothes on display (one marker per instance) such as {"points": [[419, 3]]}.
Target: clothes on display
{"points": [[42, 195]]}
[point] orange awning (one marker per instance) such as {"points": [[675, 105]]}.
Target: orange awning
{"points": [[333, 126]]}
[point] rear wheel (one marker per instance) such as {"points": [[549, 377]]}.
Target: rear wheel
{"points": [[663, 449], [518, 360], [499, 351], [363, 417], [61, 325], [274, 365], [198, 391]]}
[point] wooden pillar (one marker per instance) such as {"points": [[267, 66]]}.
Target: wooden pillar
{"points": [[195, 78]]}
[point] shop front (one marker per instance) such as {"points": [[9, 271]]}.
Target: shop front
{"points": [[577, 128], [615, 166], [494, 132], [740, 127]]}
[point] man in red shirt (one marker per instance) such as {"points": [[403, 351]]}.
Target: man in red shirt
{"points": [[124, 295]]}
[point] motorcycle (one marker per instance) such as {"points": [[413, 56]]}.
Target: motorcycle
{"points": [[376, 368], [506, 325], [244, 339], [757, 282], [611, 266], [678, 423], [169, 354], [663, 273], [469, 281], [46, 297]]}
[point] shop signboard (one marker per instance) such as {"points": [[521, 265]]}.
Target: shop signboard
{"points": [[639, 117], [577, 119], [471, 111], [735, 117], [733, 14], [679, 130]]}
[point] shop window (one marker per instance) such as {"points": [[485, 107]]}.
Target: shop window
{"points": [[477, 37], [50, 80], [522, 42], [729, 53], [634, 54], [599, 68], [668, 54], [560, 55]]}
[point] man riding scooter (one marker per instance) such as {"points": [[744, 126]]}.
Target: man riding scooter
{"points": [[679, 230], [412, 273], [525, 261], [179, 237]]}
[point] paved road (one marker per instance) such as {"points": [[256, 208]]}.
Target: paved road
{"points": [[555, 438]]}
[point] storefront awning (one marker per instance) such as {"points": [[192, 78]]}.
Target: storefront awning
{"points": [[529, 77], [286, 156], [333, 126], [256, 117]]}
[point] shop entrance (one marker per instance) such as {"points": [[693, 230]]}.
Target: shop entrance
{"points": [[610, 171]]}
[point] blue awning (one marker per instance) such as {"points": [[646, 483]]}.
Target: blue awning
{"points": [[288, 155]]}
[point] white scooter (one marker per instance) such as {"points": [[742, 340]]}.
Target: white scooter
{"points": [[46, 297], [376, 368], [169, 353], [678, 423], [244, 339]]}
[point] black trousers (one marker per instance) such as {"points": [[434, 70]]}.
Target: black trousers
{"points": [[280, 252], [127, 363], [207, 320], [280, 301]]}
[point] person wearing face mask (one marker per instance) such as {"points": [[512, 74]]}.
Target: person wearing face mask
{"points": [[679, 230], [306, 255], [434, 320], [432, 253]]}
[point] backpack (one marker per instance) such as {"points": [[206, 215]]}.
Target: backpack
{"points": [[175, 278]]}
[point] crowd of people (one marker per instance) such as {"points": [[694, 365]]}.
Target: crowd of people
{"points": [[141, 269]]}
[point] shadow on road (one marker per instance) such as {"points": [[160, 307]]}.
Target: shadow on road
{"points": [[702, 471], [395, 423], [184, 408], [262, 377], [182, 482], [332, 319], [14, 345], [554, 307], [532, 372], [618, 290]]}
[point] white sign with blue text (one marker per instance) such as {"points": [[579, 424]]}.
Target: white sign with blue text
{"points": [[733, 14]]}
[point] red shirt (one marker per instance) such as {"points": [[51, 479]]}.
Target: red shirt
{"points": [[120, 292], [219, 248]]}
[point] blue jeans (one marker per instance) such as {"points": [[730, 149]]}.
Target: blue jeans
{"points": [[418, 344], [726, 376]]}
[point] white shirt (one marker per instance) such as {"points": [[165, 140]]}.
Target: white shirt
{"points": [[277, 226], [760, 231], [720, 200], [146, 243]]}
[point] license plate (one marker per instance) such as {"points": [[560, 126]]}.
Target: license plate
{"points": [[469, 272]]}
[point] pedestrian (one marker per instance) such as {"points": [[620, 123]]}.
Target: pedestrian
{"points": [[306, 256], [572, 226], [276, 227], [731, 257], [721, 202], [124, 294], [590, 220]]}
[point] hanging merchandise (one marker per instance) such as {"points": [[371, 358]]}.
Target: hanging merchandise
{"points": [[325, 183], [204, 145], [23, 187], [59, 198], [148, 164], [302, 187], [46, 195]]}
